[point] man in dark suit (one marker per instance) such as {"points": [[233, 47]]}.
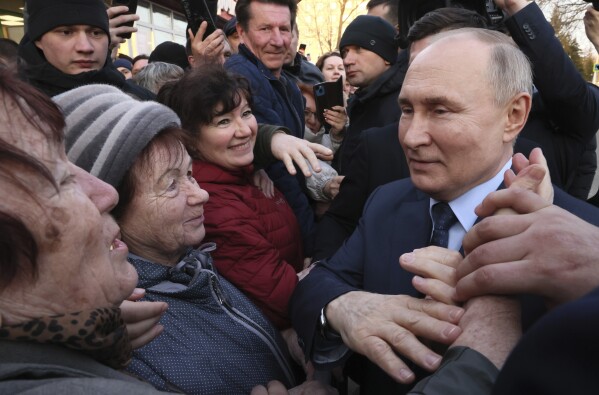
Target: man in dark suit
{"points": [[562, 134], [460, 119]]}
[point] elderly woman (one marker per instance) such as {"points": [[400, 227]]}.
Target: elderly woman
{"points": [[209, 325], [258, 237], [64, 268]]}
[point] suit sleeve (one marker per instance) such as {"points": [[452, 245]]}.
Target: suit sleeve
{"points": [[331, 278]]}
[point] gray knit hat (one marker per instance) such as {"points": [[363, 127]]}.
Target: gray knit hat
{"points": [[107, 129]]}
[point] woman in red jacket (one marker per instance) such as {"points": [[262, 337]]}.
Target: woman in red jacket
{"points": [[258, 237]]}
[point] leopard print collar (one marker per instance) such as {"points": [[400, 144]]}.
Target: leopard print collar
{"points": [[99, 333]]}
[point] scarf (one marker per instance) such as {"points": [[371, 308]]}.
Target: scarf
{"points": [[99, 333]]}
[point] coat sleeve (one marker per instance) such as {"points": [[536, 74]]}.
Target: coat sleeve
{"points": [[246, 258], [463, 371], [571, 103]]}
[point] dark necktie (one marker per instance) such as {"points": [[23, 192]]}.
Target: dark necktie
{"points": [[443, 219]]}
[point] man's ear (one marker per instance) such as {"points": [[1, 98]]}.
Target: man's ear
{"points": [[517, 111]]}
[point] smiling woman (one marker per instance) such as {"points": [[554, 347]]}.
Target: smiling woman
{"points": [[259, 244]]}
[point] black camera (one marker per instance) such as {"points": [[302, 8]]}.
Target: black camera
{"points": [[409, 11]]}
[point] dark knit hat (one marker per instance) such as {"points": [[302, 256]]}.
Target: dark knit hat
{"points": [[372, 33], [45, 15], [123, 63], [170, 52], [107, 129]]}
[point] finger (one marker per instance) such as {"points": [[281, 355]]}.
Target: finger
{"points": [[199, 36], [288, 162], [437, 290], [508, 177], [116, 10], [269, 188], [504, 278], [308, 151], [259, 390], [498, 230], [139, 311], [432, 262], [439, 316], [519, 162], [191, 35], [302, 163], [379, 352], [146, 337], [276, 388], [520, 200], [137, 294]]}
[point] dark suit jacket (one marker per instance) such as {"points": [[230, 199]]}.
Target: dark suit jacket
{"points": [[396, 220], [564, 117]]}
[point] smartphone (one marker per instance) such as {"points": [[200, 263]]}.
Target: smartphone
{"points": [[198, 11], [132, 4], [327, 95]]}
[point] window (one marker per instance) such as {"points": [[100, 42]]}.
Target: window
{"points": [[156, 25]]}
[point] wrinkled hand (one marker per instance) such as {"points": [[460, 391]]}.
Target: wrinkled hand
{"points": [[544, 251], [210, 49], [116, 18], [142, 319], [435, 269], [290, 149], [382, 327], [591, 25], [337, 118], [306, 388], [331, 188], [263, 182]]}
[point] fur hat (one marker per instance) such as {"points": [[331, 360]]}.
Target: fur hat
{"points": [[107, 129], [372, 33], [45, 15]]}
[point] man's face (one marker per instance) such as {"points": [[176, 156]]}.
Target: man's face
{"points": [[362, 67], [75, 49], [452, 132], [269, 34]]}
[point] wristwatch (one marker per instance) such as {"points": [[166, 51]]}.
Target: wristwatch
{"points": [[325, 329]]}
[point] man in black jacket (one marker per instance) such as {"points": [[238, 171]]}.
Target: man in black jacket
{"points": [[67, 45], [371, 62]]}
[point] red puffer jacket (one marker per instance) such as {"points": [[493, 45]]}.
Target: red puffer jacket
{"points": [[258, 239]]}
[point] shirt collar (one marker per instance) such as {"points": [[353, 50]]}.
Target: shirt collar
{"points": [[464, 205]]}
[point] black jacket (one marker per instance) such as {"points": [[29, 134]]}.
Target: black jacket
{"points": [[370, 107]]}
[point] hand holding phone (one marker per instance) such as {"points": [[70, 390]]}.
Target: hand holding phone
{"points": [[122, 23], [328, 95]]}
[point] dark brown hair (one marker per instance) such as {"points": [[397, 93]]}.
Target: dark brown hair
{"points": [[18, 249], [442, 19], [325, 56], [197, 96]]}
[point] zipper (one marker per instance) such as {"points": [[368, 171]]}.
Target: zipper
{"points": [[251, 325]]}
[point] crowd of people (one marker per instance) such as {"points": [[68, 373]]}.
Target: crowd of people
{"points": [[192, 221]]}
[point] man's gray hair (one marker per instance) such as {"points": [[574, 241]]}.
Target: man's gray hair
{"points": [[156, 74], [509, 72]]}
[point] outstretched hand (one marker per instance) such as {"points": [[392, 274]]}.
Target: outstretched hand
{"points": [[383, 327]]}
